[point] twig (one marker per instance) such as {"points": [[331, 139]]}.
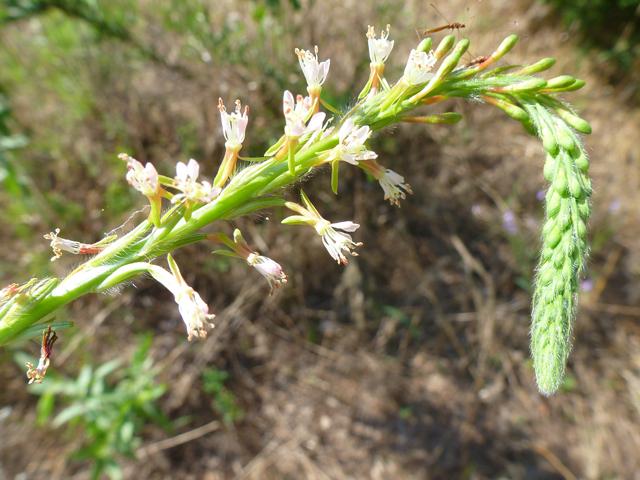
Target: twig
{"points": [[555, 461], [177, 440]]}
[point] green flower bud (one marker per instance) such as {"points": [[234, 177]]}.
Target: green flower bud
{"points": [[562, 81], [532, 84], [564, 138], [541, 66], [582, 162], [549, 168], [503, 104], [575, 187], [581, 229], [425, 45], [452, 60], [553, 206], [444, 46], [549, 141], [530, 128], [576, 122], [506, 46], [545, 276], [560, 182], [584, 209]]}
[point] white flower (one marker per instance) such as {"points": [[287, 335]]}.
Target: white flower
{"points": [[393, 186], [193, 191], [419, 66], [144, 179], [296, 115], [380, 49], [337, 242], [351, 148], [315, 73], [269, 269], [194, 312], [234, 125]]}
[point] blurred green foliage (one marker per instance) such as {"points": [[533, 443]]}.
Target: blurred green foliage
{"points": [[612, 26], [109, 405], [224, 402]]}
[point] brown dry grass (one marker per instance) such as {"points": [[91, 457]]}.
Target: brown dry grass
{"points": [[333, 385]]}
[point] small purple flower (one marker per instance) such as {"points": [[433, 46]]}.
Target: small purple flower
{"points": [[509, 222], [587, 285]]}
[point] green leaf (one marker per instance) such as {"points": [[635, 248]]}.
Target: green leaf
{"points": [[37, 329]]}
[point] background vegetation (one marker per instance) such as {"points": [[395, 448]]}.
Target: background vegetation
{"points": [[413, 360]]}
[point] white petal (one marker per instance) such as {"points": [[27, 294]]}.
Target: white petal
{"points": [[346, 226]]}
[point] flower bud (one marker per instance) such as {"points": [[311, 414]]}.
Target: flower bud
{"points": [[582, 162], [584, 209], [541, 66], [508, 107], [549, 168], [575, 187], [553, 237], [444, 46], [576, 122], [553, 206], [577, 85], [560, 182], [529, 128], [425, 45], [528, 85], [506, 46], [549, 141], [564, 138], [563, 81], [448, 118]]}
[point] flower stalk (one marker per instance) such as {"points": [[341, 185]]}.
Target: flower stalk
{"points": [[428, 78]]}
